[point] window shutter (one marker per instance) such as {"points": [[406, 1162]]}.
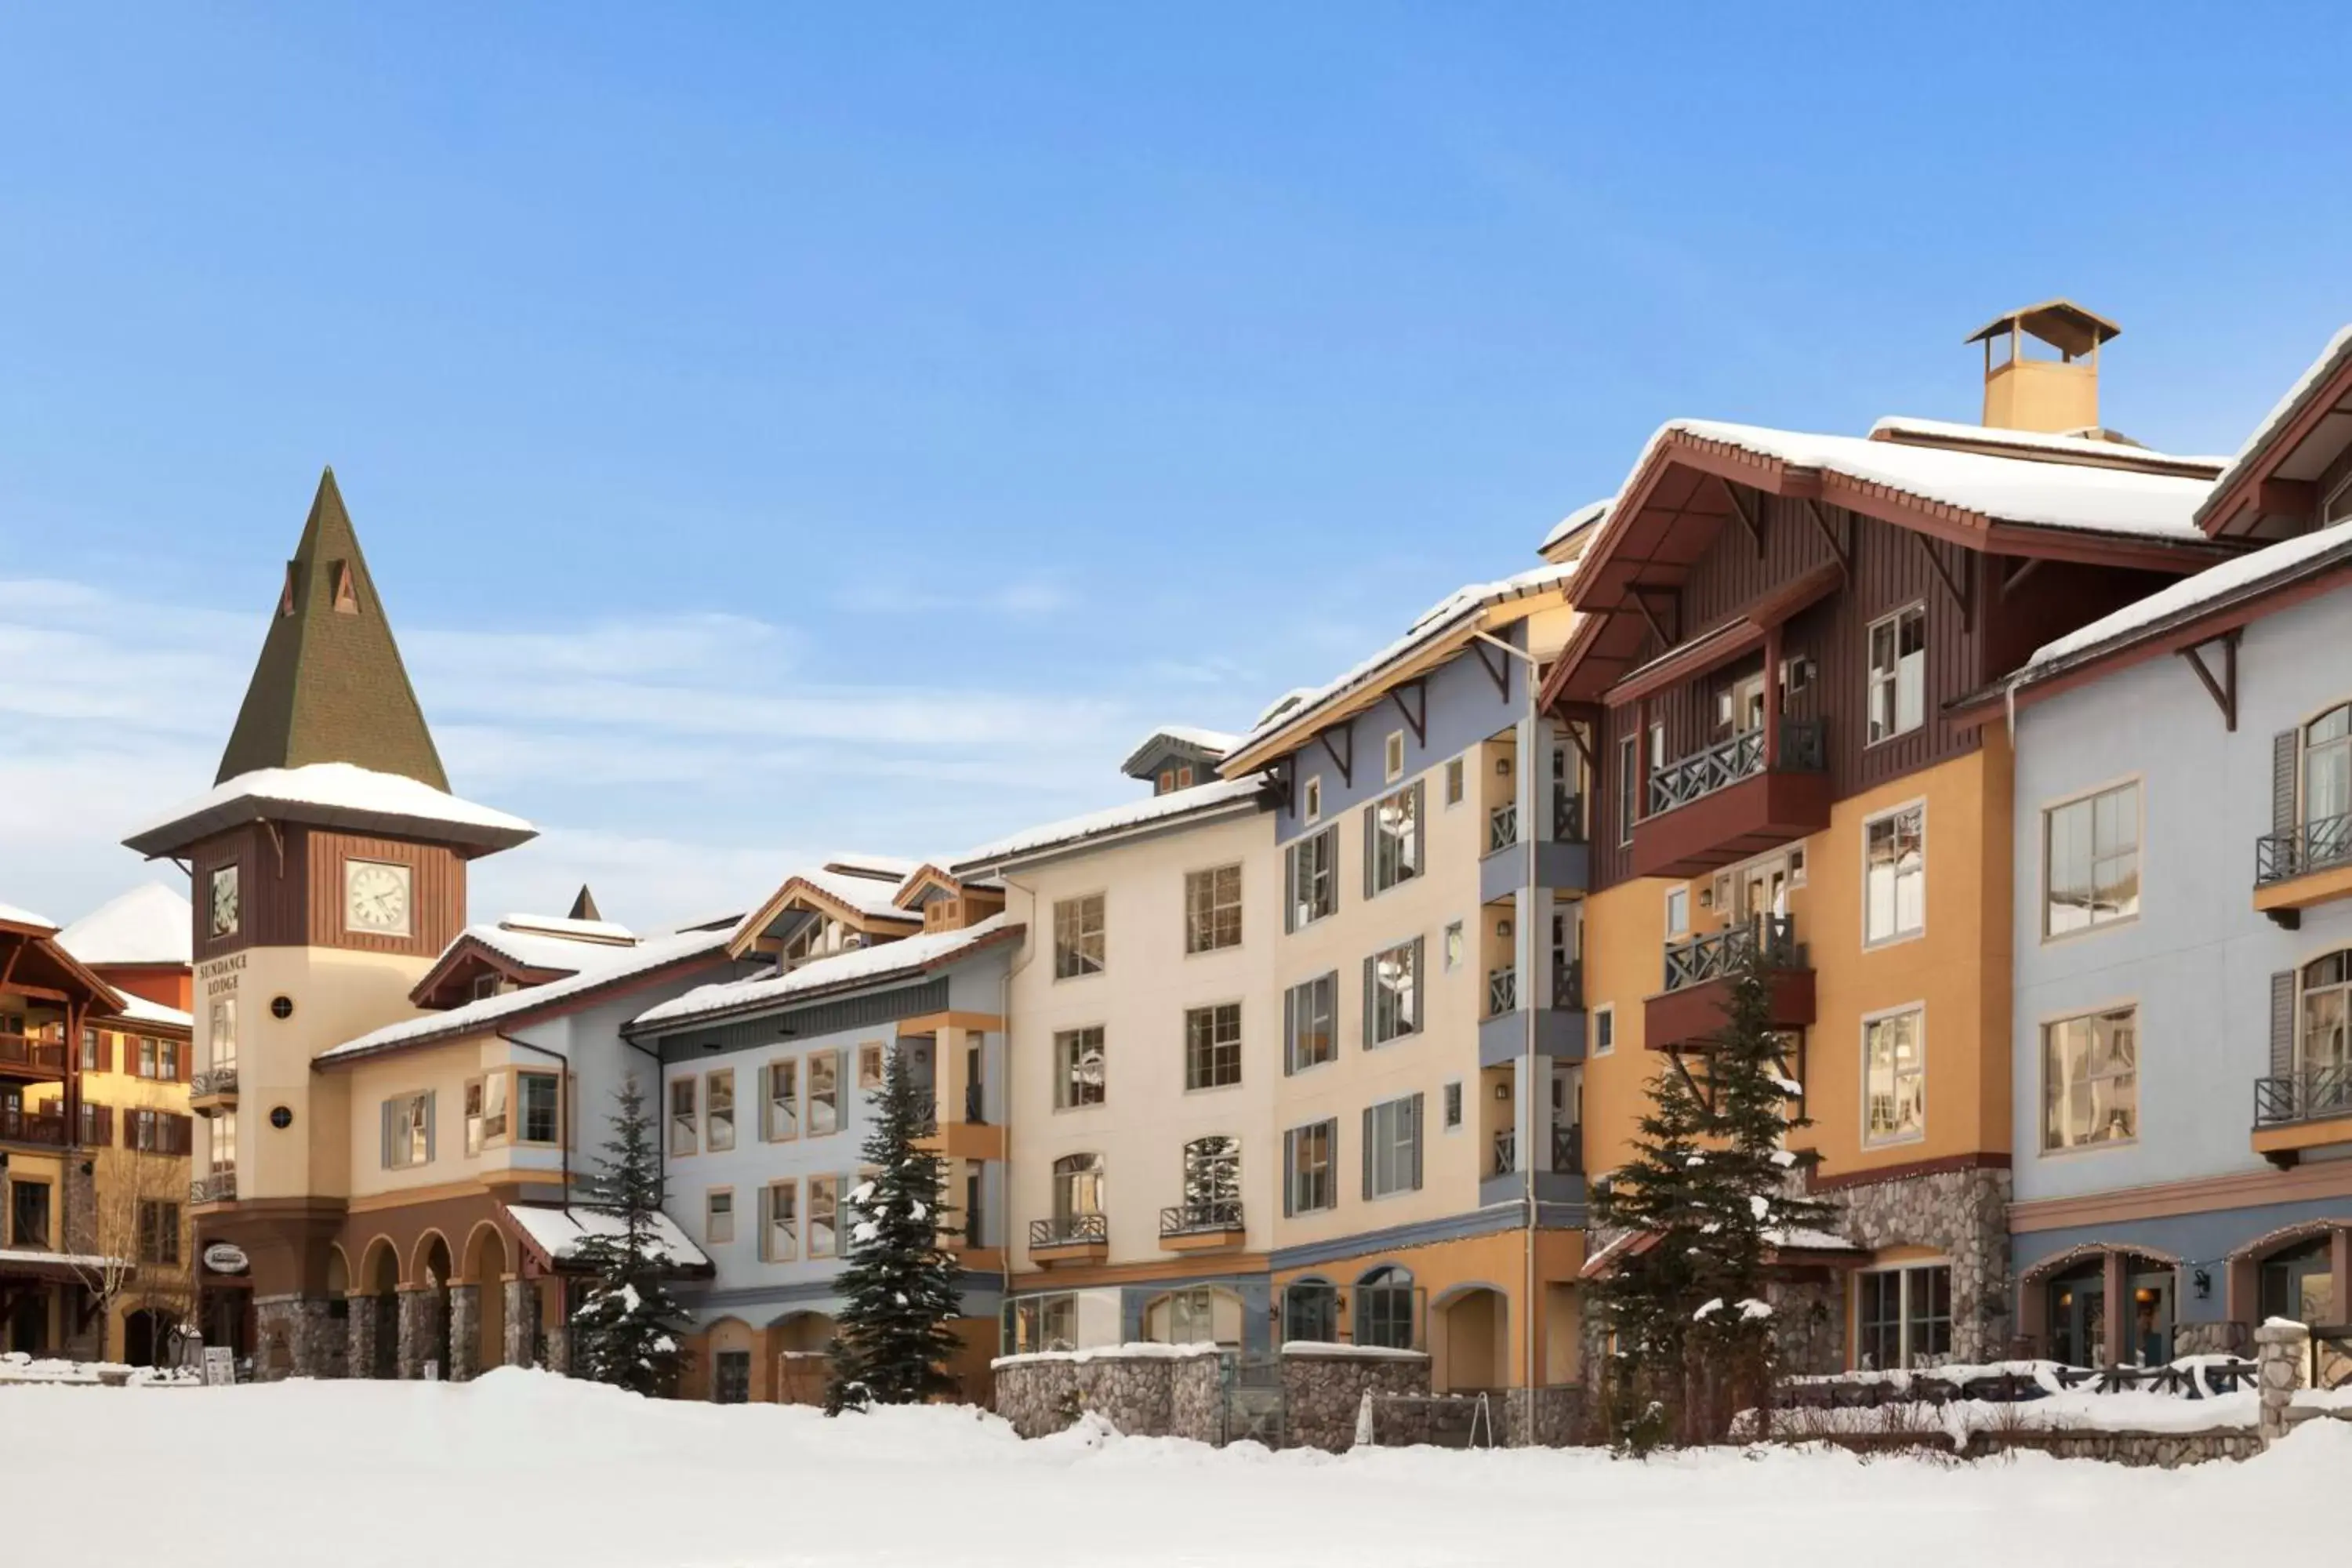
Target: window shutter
{"points": [[383, 1135], [1421, 827], [1289, 1173], [1290, 888], [1415, 1103], [1368, 1153], [102, 1060], [1420, 978], [184, 1053], [432, 1102], [1371, 966], [2283, 1023], [2282, 748], [1290, 1031], [1372, 836]]}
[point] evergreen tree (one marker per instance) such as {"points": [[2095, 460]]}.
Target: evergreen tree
{"points": [[625, 1332], [899, 1286]]}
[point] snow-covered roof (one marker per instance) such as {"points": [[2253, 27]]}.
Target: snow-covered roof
{"points": [[2202, 591], [1464, 604], [2080, 497], [1151, 811], [537, 950], [332, 795], [600, 966], [1904, 428], [883, 961], [867, 896], [881, 868], [2334, 354], [139, 1010], [150, 924], [1216, 743], [1577, 521], [558, 1233], [10, 914]]}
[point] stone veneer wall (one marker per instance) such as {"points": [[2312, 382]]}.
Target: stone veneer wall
{"points": [[465, 1333], [1323, 1387], [1143, 1390], [1962, 1214], [521, 1323], [300, 1337]]}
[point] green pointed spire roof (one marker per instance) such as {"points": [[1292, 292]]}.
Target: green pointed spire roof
{"points": [[330, 686]]}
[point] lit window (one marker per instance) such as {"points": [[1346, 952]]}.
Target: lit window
{"points": [[2090, 861], [1898, 673], [1079, 937], [2090, 1079], [1392, 993], [1895, 875], [1894, 1069]]}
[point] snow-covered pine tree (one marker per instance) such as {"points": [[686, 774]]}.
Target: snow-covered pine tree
{"points": [[899, 1286], [624, 1333]]}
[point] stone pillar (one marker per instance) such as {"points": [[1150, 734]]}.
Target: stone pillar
{"points": [[521, 1347], [559, 1349], [359, 1356], [465, 1333], [298, 1338], [420, 1329], [2279, 1348]]}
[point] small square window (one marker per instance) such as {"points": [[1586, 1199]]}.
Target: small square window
{"points": [[1392, 756], [1678, 909], [1312, 798], [869, 1065], [1454, 1105], [1604, 1030], [1454, 771], [1453, 946], [719, 1216]]}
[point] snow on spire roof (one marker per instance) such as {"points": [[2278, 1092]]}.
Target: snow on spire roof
{"points": [[150, 924], [332, 795]]}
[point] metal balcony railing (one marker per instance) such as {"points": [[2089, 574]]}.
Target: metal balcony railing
{"points": [[217, 1187], [1200, 1214], [1726, 762], [1507, 1153], [18, 1125], [32, 1052], [1568, 985], [1069, 1230], [214, 1082], [927, 1114], [2306, 1096], [1502, 992], [1567, 816], [1568, 1146], [1772, 939], [1502, 827], [2312, 847]]}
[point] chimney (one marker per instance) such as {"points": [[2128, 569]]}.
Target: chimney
{"points": [[2053, 396]]}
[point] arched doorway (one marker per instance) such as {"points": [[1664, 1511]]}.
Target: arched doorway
{"points": [[433, 1274], [486, 1271], [379, 1286], [1310, 1311], [799, 1341], [728, 1344], [1384, 1303], [1473, 1341]]}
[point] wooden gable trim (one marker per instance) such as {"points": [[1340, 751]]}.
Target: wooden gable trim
{"points": [[2245, 486]]}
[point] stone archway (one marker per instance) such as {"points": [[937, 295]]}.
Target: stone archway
{"points": [[374, 1315], [477, 1306], [1474, 1341], [424, 1340]]}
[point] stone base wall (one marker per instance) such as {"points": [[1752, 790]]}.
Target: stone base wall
{"points": [[1554, 1417], [1808, 1323], [2210, 1338], [1144, 1391], [1963, 1214], [299, 1336], [2159, 1450], [559, 1349], [362, 1326], [1196, 1399], [520, 1346], [465, 1333], [1322, 1392], [420, 1332]]}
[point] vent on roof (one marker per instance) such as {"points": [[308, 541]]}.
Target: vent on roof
{"points": [[2025, 393]]}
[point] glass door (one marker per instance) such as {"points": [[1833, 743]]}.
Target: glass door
{"points": [[2078, 1319], [2151, 1318]]}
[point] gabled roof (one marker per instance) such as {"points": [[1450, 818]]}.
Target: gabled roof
{"points": [[334, 795], [1188, 741], [330, 686], [865, 903], [11, 915], [1584, 517], [527, 956], [2061, 324], [883, 963], [929, 878], [1219, 797], [33, 960], [150, 926], [876, 867], [2318, 406]]}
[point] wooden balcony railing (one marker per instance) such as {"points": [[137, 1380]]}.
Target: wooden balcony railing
{"points": [[31, 1053], [1725, 764], [18, 1125], [1502, 827], [1720, 954]]}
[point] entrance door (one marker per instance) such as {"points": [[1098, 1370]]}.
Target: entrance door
{"points": [[1761, 888], [2078, 1319], [2150, 1325], [731, 1377]]}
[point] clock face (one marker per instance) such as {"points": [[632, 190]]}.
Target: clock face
{"points": [[375, 897], [225, 901]]}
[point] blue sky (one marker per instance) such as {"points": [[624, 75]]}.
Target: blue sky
{"points": [[775, 430]]}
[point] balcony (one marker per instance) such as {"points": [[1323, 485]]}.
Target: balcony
{"points": [[1699, 972], [971, 1138], [216, 1187], [1562, 1183], [46, 1127], [2310, 866], [1558, 1029], [2300, 1111], [1561, 863], [213, 1091], [1199, 1225], [1722, 805], [31, 1057], [1070, 1238]]}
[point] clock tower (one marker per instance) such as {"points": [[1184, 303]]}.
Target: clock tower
{"points": [[328, 868]]}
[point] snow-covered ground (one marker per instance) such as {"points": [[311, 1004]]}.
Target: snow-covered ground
{"points": [[524, 1467]]}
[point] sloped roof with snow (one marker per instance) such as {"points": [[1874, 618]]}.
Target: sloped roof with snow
{"points": [[10, 914], [883, 962], [332, 795], [2338, 348], [136, 1009], [150, 924], [1214, 744], [2068, 449], [1152, 811], [879, 868], [1576, 522], [557, 1232], [601, 967]]}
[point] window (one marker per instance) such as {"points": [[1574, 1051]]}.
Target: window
{"points": [[1903, 1316], [1453, 946], [1679, 909], [221, 1040], [2090, 861], [1894, 876], [1384, 1308], [28, 1213], [869, 1065], [1310, 1311], [223, 1147], [1392, 840], [1392, 756], [684, 1130], [1453, 1104], [1392, 1147], [1312, 869], [783, 1101], [2323, 1043], [1454, 772], [718, 1216], [408, 1131], [719, 1112], [542, 1108], [1078, 1187], [90, 1051], [824, 1216], [149, 1064], [485, 986], [1213, 1046], [2327, 776], [782, 1225], [1307, 1158], [824, 1093], [1212, 1180], [1311, 798], [1898, 673], [1392, 994], [1604, 1029], [486, 1113], [1310, 1035], [1079, 1068], [1895, 1072], [1079, 937], [2090, 1079], [1190, 1317], [1628, 788], [158, 1234], [1045, 1323], [1213, 910]]}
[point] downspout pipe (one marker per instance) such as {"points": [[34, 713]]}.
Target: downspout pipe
{"points": [[1005, 1012]]}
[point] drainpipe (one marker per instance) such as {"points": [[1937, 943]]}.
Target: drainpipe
{"points": [[1005, 1012], [564, 1149]]}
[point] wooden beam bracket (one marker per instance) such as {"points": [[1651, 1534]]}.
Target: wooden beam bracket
{"points": [[1499, 667], [1821, 521], [1346, 764], [1754, 525], [1955, 588], [2224, 692], [1419, 721]]}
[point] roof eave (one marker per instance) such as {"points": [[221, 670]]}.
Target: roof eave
{"points": [[1236, 806], [634, 1030]]}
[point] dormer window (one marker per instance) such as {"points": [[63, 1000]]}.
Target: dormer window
{"points": [[485, 986], [285, 593], [347, 593]]}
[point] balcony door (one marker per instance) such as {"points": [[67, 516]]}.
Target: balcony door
{"points": [[2323, 1043], [1739, 707], [1760, 887], [2327, 785]]}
